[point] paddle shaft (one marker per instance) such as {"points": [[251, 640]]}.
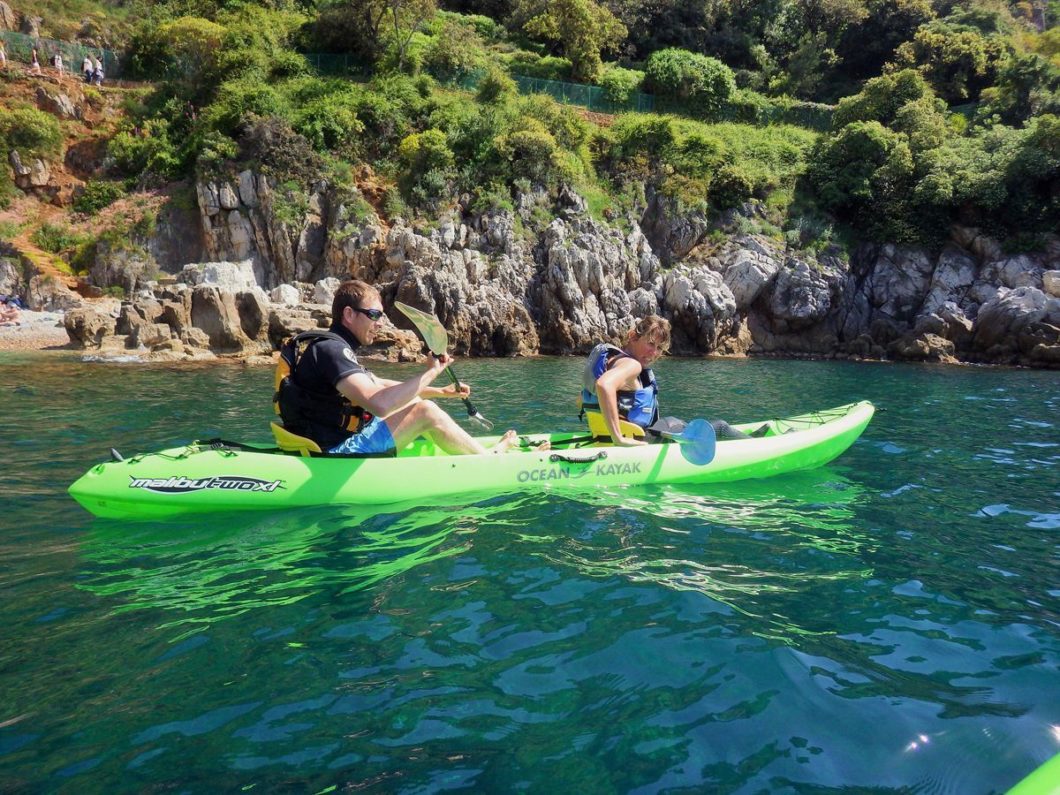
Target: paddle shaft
{"points": [[472, 412]]}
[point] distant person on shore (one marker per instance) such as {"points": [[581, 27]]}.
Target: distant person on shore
{"points": [[619, 384], [34, 65], [3, 57], [97, 71], [9, 310], [57, 61], [325, 394], [87, 69]]}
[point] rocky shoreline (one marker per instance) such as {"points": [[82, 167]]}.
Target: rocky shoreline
{"points": [[548, 277]]}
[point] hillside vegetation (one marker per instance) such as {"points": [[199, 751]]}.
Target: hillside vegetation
{"points": [[941, 112]]}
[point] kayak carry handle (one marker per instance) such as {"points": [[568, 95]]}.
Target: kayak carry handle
{"points": [[556, 457]]}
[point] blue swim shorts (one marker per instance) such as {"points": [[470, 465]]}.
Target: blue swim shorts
{"points": [[374, 439]]}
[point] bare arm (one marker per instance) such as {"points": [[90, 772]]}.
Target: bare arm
{"points": [[607, 388], [429, 392], [385, 398]]}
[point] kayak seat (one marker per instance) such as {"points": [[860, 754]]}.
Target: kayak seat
{"points": [[293, 443], [598, 426]]}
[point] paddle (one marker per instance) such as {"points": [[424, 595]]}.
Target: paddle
{"points": [[697, 438], [437, 339]]}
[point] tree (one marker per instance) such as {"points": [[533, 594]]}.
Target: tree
{"points": [[865, 174], [866, 46], [881, 99], [959, 63], [583, 29], [405, 18], [1027, 85]]}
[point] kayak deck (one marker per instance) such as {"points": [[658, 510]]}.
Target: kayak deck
{"points": [[204, 478]]}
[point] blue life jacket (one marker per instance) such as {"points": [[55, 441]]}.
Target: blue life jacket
{"points": [[639, 406]]}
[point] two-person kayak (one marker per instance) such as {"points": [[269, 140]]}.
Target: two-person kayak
{"points": [[206, 477]]}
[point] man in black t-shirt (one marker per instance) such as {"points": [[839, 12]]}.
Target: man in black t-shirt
{"points": [[400, 410]]}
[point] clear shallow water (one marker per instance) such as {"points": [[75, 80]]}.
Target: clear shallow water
{"points": [[887, 622]]}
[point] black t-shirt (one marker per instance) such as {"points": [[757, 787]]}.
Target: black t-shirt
{"points": [[327, 362]]}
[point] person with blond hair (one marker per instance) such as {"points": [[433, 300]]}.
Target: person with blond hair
{"points": [[329, 397], [620, 384], [34, 65]]}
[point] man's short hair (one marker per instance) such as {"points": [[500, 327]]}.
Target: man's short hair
{"points": [[353, 293]]}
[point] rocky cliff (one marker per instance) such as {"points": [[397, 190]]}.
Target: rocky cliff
{"points": [[548, 277]]}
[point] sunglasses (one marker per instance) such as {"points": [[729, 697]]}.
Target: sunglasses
{"points": [[373, 314]]}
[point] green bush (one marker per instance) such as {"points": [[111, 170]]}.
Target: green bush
{"points": [[455, 51], [865, 175], [426, 151], [56, 239], [495, 87], [384, 121], [748, 107], [33, 133], [881, 98], [637, 134], [958, 62], [620, 84], [548, 67], [532, 153], [148, 150], [730, 187], [699, 154], [279, 151], [97, 195], [238, 100], [706, 83], [330, 122], [562, 121]]}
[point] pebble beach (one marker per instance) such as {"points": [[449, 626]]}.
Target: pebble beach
{"points": [[34, 331]]}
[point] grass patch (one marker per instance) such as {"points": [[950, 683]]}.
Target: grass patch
{"points": [[10, 229], [59, 240]]}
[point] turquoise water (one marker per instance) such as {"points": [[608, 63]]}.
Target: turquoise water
{"points": [[888, 623]]}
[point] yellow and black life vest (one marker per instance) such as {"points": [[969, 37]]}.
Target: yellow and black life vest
{"points": [[301, 408]]}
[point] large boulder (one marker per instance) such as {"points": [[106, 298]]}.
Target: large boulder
{"points": [[1010, 327], [701, 307], [87, 326]]}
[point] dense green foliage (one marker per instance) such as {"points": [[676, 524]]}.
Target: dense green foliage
{"points": [[33, 133], [97, 195], [828, 112], [705, 83]]}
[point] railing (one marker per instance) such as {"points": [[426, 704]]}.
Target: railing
{"points": [[19, 47]]}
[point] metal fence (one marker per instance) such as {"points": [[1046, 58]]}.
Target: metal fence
{"points": [[336, 64], [592, 97], [19, 47]]}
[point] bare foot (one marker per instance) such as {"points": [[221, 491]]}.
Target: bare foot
{"points": [[545, 445], [510, 437]]}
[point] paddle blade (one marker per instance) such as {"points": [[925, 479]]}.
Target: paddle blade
{"points": [[698, 442], [430, 327], [479, 420]]}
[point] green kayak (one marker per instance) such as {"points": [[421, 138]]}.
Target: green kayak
{"points": [[203, 477]]}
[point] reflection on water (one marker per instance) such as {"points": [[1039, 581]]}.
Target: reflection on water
{"points": [[208, 570], [211, 570], [784, 521]]}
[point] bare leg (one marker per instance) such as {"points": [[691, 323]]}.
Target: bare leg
{"points": [[425, 417]]}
